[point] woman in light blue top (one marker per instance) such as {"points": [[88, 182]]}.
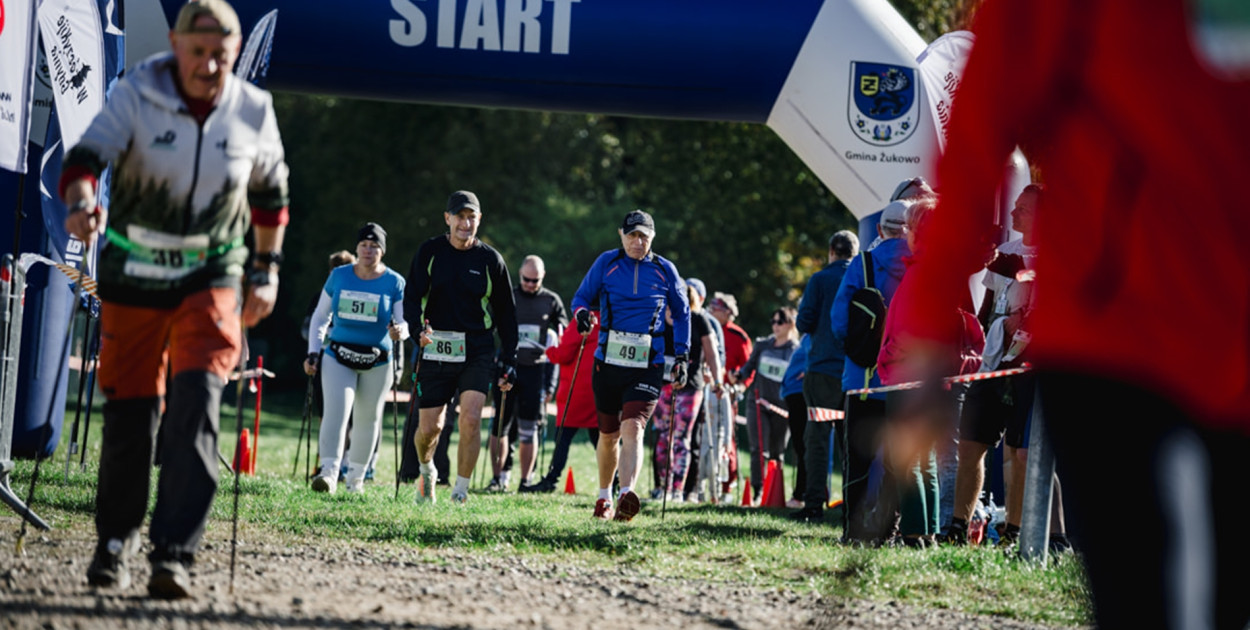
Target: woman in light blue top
{"points": [[364, 302]]}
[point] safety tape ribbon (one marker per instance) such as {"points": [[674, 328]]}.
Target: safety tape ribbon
{"points": [[821, 414], [775, 409], [88, 283], [950, 380]]}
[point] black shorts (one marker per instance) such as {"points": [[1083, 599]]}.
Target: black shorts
{"points": [[525, 400], [438, 382], [614, 386], [996, 408]]}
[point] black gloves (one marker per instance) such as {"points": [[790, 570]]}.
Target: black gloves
{"points": [[584, 323], [681, 368]]}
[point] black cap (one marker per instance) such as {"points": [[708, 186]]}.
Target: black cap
{"points": [[462, 199], [372, 232], [638, 221]]}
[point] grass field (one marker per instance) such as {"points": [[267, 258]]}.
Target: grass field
{"points": [[716, 543]]}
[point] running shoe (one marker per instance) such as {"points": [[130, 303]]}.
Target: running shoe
{"points": [[496, 486], [627, 506], [459, 498], [169, 580], [425, 489], [603, 509], [108, 566], [325, 483]]}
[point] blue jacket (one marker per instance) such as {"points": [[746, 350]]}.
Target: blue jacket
{"points": [[888, 267], [825, 356], [630, 296], [791, 383]]}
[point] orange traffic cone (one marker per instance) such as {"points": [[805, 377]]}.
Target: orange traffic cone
{"points": [[774, 486], [746, 492], [243, 454], [569, 486]]}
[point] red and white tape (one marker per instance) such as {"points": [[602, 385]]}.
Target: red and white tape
{"points": [[775, 409], [821, 414], [950, 380]]}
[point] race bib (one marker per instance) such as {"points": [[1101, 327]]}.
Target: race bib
{"points": [[445, 347], [161, 256], [772, 368], [359, 306], [631, 350], [529, 335]]}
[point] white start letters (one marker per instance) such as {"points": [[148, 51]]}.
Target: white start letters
{"points": [[498, 25]]}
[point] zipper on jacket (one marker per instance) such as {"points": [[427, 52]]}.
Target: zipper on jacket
{"points": [[636, 266], [195, 176]]}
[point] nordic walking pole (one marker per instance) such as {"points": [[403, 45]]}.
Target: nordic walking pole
{"points": [[86, 429], [414, 406], [303, 425], [83, 364], [399, 371], [668, 464], [48, 425], [238, 430], [569, 398]]}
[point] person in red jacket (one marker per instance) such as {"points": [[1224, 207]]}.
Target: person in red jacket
{"points": [[575, 412], [1137, 117]]}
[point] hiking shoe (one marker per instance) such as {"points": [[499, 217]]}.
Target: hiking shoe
{"points": [[459, 498], [808, 515], [955, 536], [1059, 543], [108, 565], [603, 509], [627, 507], [496, 486], [545, 486], [425, 489], [170, 580]]}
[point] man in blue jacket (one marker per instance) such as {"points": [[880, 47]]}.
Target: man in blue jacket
{"points": [[822, 383], [631, 287], [866, 413]]}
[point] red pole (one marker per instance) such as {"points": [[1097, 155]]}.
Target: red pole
{"points": [[259, 382]]}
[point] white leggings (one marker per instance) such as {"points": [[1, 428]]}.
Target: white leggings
{"points": [[362, 392]]}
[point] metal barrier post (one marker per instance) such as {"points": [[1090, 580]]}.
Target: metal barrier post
{"points": [[1038, 482], [11, 303]]}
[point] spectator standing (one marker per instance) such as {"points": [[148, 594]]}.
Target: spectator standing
{"points": [[822, 379], [723, 308], [792, 392], [767, 429], [866, 412]]}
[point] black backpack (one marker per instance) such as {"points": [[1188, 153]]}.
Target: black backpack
{"points": [[865, 320]]}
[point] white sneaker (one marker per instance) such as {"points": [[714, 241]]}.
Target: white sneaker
{"points": [[425, 489], [354, 486], [459, 498], [325, 481]]}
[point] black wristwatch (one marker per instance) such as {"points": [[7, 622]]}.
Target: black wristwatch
{"points": [[267, 259]]}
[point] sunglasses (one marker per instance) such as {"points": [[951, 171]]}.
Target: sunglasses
{"points": [[780, 322], [530, 280]]}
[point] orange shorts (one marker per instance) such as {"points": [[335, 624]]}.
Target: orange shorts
{"points": [[200, 334]]}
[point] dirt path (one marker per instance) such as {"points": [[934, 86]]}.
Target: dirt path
{"points": [[339, 583]]}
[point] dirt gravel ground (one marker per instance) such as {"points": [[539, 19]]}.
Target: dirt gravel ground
{"points": [[359, 584]]}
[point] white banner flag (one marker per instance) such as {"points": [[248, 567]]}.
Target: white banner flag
{"points": [[942, 65], [73, 43], [17, 50]]}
